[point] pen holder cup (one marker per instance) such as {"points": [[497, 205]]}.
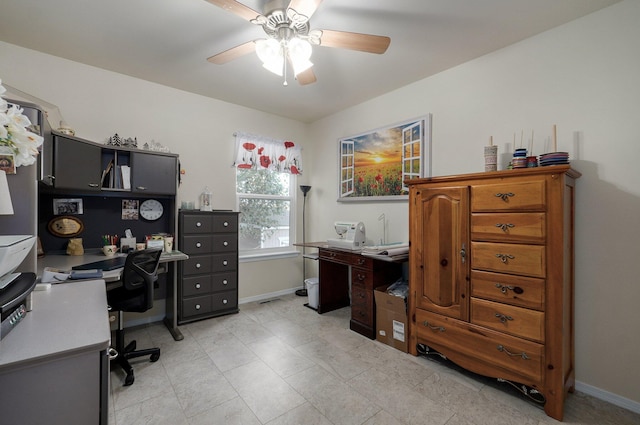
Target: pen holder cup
{"points": [[109, 250]]}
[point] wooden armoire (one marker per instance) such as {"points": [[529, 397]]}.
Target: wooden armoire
{"points": [[492, 275]]}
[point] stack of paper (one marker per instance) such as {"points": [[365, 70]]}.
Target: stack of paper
{"points": [[389, 252]]}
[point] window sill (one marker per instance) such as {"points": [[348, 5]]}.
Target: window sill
{"points": [[264, 256]]}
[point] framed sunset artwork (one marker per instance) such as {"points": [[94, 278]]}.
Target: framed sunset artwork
{"points": [[375, 164]]}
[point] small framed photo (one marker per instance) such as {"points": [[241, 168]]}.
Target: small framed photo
{"points": [[7, 163], [67, 206], [130, 209]]}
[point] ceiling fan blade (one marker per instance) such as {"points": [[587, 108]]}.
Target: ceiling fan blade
{"points": [[305, 8], [355, 41], [236, 8], [306, 77], [233, 53]]}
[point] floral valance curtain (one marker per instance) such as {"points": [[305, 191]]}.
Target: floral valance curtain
{"points": [[263, 153]]}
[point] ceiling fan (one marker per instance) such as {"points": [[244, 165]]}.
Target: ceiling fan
{"points": [[289, 38]]}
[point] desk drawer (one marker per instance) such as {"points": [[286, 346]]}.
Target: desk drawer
{"points": [[362, 277], [197, 265], [224, 262], [197, 285], [197, 244], [197, 223], [345, 257], [225, 243], [362, 305]]}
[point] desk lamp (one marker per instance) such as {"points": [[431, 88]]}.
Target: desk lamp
{"points": [[303, 292]]}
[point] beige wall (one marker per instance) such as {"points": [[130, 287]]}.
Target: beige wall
{"points": [[582, 76]]}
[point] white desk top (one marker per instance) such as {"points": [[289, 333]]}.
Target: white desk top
{"points": [[66, 319]]}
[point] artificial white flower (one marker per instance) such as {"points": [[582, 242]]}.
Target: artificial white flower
{"points": [[14, 136]]}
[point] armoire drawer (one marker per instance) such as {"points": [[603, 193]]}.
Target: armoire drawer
{"points": [[497, 350], [225, 243], [197, 265], [516, 290], [515, 227], [224, 262], [522, 196], [516, 321], [197, 285], [197, 244], [528, 260], [224, 281], [197, 223], [196, 306]]}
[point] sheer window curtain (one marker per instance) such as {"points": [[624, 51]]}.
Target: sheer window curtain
{"points": [[264, 153]]}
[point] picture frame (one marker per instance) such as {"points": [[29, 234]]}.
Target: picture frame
{"points": [[7, 163], [67, 206], [373, 166]]}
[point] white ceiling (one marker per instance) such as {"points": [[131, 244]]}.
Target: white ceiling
{"points": [[168, 42]]}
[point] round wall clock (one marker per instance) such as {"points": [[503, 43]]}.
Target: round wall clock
{"points": [[151, 209]]}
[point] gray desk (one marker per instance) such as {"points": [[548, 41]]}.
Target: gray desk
{"points": [[54, 366], [167, 265]]}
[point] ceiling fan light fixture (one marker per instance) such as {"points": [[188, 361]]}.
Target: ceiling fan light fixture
{"points": [[270, 52], [299, 52]]}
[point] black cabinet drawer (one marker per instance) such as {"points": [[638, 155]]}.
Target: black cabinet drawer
{"points": [[224, 281], [224, 262], [197, 265], [197, 285], [196, 306], [225, 243], [225, 223], [197, 223], [197, 244], [224, 300]]}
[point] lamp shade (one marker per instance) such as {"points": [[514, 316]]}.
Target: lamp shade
{"points": [[6, 207]]}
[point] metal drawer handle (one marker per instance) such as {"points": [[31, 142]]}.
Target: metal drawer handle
{"points": [[198, 224], [224, 301], [503, 317], [197, 306], [197, 286], [505, 226], [141, 188], [505, 196], [225, 243], [361, 277], [505, 288], [225, 224], [93, 184], [504, 350], [432, 327], [198, 245], [225, 262], [361, 261], [505, 257], [225, 281], [198, 266]]}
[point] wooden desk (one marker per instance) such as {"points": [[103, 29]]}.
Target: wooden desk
{"points": [[348, 278], [54, 367], [168, 263]]}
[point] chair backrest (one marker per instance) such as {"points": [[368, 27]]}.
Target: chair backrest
{"points": [[140, 274]]}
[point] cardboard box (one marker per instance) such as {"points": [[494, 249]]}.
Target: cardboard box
{"points": [[391, 319]]}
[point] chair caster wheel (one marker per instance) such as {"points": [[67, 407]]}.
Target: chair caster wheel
{"points": [[154, 357]]}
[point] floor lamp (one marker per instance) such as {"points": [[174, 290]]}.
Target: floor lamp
{"points": [[303, 292]]}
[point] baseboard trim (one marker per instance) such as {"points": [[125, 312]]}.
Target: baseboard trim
{"points": [[607, 396], [268, 296]]}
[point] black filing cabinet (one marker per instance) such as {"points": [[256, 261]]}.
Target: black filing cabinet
{"points": [[208, 280]]}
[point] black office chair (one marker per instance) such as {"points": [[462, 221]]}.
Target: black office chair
{"points": [[135, 295]]}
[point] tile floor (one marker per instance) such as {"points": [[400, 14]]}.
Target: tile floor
{"points": [[280, 363]]}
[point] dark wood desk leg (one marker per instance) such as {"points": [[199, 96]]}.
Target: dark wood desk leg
{"points": [[171, 315]]}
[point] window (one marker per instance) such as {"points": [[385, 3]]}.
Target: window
{"points": [[265, 200], [266, 172]]}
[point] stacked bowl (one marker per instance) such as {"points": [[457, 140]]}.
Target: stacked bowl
{"points": [[554, 158], [519, 158]]}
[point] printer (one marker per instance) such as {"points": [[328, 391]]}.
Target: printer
{"points": [[351, 235]]}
